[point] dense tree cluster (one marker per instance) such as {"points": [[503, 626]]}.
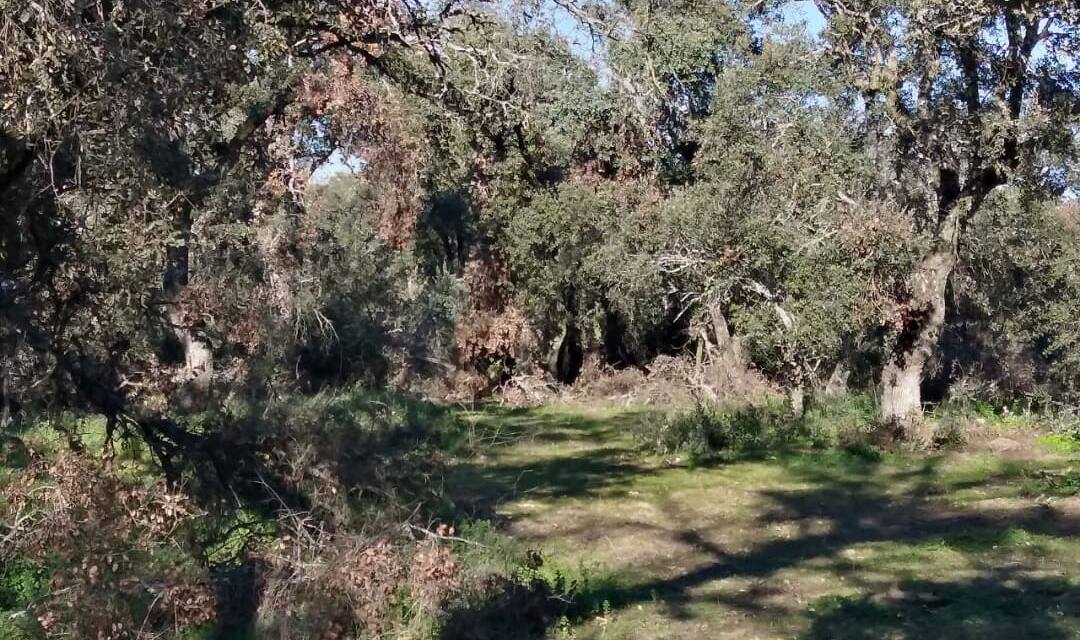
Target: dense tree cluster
{"points": [[684, 179]]}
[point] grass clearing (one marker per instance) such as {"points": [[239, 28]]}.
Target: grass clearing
{"points": [[829, 543]]}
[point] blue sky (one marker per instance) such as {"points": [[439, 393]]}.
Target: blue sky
{"points": [[805, 11]]}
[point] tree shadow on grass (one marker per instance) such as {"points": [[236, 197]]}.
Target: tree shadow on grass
{"points": [[851, 500], [838, 513], [589, 474], [478, 486], [500, 425], [1002, 604]]}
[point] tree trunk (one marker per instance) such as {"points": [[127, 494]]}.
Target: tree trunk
{"points": [[570, 357], [796, 397], [728, 347], [901, 396], [923, 315], [197, 355], [837, 384], [198, 359]]}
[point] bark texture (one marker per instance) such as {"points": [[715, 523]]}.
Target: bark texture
{"points": [[837, 384], [923, 315]]}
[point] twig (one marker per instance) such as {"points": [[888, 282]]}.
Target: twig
{"points": [[443, 537]]}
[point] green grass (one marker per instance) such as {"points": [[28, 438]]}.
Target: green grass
{"points": [[1061, 443], [833, 542], [976, 608], [788, 534]]}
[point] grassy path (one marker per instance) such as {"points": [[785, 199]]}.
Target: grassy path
{"points": [[805, 545]]}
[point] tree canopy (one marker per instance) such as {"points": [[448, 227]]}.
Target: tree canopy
{"points": [[505, 202]]}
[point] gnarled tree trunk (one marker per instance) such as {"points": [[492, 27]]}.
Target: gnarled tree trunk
{"points": [[796, 398], [923, 315], [837, 384]]}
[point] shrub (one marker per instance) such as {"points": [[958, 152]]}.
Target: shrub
{"points": [[848, 421], [950, 425], [356, 456], [1064, 434], [707, 429], [949, 434], [845, 420], [143, 559], [325, 585], [20, 626], [529, 598], [21, 583], [114, 548]]}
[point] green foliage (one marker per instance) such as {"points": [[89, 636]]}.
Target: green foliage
{"points": [[13, 453], [1062, 442], [703, 184], [705, 162], [573, 262], [706, 430], [768, 233], [1065, 484], [949, 434], [370, 455], [360, 311], [532, 593], [847, 420], [489, 552], [1014, 337], [20, 626], [228, 539], [21, 584]]}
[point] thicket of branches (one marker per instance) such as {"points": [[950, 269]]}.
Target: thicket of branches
{"points": [[519, 203]]}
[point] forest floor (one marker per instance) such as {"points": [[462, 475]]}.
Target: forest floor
{"points": [[802, 544]]}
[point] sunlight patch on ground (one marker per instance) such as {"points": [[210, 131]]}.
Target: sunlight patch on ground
{"points": [[794, 545]]}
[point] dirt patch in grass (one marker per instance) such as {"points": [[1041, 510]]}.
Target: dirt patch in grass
{"points": [[806, 544]]}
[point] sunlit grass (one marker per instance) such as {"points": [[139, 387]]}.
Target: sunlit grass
{"points": [[879, 557]]}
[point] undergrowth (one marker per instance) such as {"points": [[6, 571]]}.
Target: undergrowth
{"points": [[710, 431], [371, 547], [523, 593], [351, 536]]}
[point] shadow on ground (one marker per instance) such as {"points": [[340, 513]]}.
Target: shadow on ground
{"points": [[586, 457], [840, 501], [1004, 604]]}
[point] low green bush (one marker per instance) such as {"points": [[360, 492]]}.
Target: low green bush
{"points": [[848, 422], [708, 429], [1061, 442], [949, 433], [1065, 434], [999, 417], [845, 420], [518, 592], [20, 625], [21, 583]]}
